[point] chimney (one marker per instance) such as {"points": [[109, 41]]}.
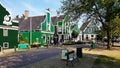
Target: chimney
{"points": [[26, 14], [58, 13]]}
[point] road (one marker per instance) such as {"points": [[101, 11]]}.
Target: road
{"points": [[21, 60]]}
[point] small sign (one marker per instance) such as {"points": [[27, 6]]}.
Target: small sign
{"points": [[63, 57]]}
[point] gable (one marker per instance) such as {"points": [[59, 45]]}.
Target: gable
{"points": [[56, 19], [91, 28], [47, 24], [84, 25], [3, 12]]}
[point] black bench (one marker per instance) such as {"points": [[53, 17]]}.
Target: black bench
{"points": [[71, 57]]}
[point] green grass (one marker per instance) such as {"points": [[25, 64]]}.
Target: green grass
{"points": [[107, 61], [104, 60]]}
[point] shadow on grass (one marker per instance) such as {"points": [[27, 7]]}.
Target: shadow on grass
{"points": [[106, 62], [87, 61], [55, 62]]}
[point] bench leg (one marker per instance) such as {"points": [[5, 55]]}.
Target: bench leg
{"points": [[71, 62]]}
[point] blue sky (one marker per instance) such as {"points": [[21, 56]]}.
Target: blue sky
{"points": [[35, 7]]}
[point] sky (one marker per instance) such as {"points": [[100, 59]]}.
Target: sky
{"points": [[35, 7]]}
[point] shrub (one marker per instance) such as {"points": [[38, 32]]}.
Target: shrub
{"points": [[69, 43]]}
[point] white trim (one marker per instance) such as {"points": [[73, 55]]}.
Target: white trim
{"points": [[86, 26], [15, 21], [42, 22], [8, 27], [7, 45], [7, 20], [15, 27], [48, 23], [47, 32], [6, 9]]}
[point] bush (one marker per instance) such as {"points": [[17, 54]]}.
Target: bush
{"points": [[79, 42], [22, 42], [69, 43]]}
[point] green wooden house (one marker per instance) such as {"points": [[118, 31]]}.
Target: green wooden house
{"points": [[62, 27], [8, 29], [37, 29], [88, 30]]}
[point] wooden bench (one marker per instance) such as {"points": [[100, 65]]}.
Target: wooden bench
{"points": [[71, 57]]}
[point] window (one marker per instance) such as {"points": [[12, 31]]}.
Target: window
{"points": [[86, 37], [48, 26], [59, 29], [48, 40], [5, 32], [92, 35], [44, 38], [37, 39], [5, 45]]}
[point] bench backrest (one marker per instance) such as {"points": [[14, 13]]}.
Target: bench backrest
{"points": [[70, 54]]}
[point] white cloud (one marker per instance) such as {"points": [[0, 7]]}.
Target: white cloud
{"points": [[32, 9]]}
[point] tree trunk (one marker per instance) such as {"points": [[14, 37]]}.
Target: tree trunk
{"points": [[108, 40]]}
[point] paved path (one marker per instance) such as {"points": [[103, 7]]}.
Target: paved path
{"points": [[22, 60]]}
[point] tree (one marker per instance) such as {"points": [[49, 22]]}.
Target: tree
{"points": [[17, 16], [102, 10], [100, 34], [116, 30]]}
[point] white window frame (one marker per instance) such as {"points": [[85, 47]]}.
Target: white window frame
{"points": [[5, 32], [7, 45], [37, 39], [48, 26], [60, 29]]}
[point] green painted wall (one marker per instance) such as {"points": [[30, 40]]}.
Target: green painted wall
{"points": [[12, 38], [49, 37], [3, 12], [14, 24], [37, 36], [44, 26], [48, 18], [25, 37]]}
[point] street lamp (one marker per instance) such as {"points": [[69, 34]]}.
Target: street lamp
{"points": [[30, 30]]}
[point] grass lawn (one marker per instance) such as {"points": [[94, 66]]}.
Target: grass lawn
{"points": [[106, 58], [97, 58], [103, 61]]}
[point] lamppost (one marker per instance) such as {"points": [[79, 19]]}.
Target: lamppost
{"points": [[30, 30]]}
